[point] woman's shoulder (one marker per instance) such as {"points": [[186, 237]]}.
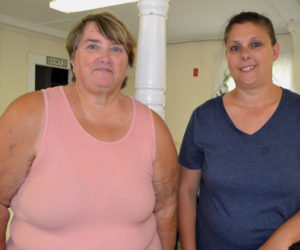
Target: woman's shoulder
{"points": [[209, 107], [138, 103], [290, 101], [25, 116], [291, 95], [21, 124], [27, 106]]}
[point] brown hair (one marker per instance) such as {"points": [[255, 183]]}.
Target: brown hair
{"points": [[251, 17], [110, 27]]}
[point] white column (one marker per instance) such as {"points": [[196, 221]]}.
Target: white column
{"points": [[151, 54]]}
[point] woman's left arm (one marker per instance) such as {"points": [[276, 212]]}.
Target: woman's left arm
{"points": [[165, 183], [285, 236]]}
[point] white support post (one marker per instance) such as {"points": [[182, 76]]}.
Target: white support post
{"points": [[151, 54]]}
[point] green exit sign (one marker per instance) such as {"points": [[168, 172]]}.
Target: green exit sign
{"points": [[56, 61]]}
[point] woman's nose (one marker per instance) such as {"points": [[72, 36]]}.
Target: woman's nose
{"points": [[245, 54], [104, 55]]}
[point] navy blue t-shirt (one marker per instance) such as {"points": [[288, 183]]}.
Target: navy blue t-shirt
{"points": [[250, 184]]}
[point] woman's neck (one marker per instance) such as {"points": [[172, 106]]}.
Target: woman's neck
{"points": [[255, 97]]}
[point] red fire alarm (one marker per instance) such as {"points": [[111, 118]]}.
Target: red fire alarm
{"points": [[195, 73]]}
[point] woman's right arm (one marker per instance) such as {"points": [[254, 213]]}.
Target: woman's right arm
{"points": [[20, 133], [187, 197]]}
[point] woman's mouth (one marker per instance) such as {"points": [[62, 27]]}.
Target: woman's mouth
{"points": [[247, 68], [103, 69]]}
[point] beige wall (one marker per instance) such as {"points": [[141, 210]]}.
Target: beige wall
{"points": [[14, 51], [184, 91]]}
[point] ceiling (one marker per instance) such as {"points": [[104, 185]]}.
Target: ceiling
{"points": [[188, 20]]}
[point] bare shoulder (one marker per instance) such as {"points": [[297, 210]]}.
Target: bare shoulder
{"points": [[24, 116], [31, 102], [20, 131], [164, 140], [23, 119], [161, 128], [25, 108]]}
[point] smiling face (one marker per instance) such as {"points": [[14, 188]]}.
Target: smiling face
{"points": [[250, 54], [99, 64]]}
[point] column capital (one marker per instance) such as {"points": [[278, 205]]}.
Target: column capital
{"points": [[153, 7]]}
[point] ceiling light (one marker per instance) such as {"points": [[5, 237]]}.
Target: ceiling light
{"points": [[68, 6]]}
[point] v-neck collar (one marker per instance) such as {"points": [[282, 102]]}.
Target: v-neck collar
{"points": [[237, 130]]}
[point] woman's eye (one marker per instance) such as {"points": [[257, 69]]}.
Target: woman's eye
{"points": [[234, 47], [256, 44], [116, 49], [92, 46]]}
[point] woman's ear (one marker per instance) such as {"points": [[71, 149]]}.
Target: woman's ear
{"points": [[276, 49]]}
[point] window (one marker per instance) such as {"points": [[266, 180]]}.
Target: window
{"points": [[282, 70]]}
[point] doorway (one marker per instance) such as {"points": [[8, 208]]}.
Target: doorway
{"points": [[46, 71], [47, 77]]}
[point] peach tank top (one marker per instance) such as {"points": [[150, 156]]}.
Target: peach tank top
{"points": [[85, 194]]}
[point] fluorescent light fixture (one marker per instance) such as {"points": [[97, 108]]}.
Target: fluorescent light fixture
{"points": [[69, 6]]}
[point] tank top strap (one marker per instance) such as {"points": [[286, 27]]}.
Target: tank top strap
{"points": [[144, 120]]}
